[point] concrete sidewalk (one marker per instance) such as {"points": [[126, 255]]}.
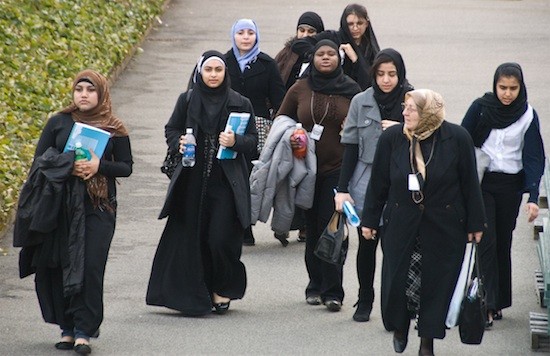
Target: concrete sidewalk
{"points": [[451, 47]]}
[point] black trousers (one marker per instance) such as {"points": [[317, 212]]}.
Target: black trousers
{"points": [[83, 311], [366, 267], [502, 197], [325, 279]]}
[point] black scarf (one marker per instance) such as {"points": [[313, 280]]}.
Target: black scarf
{"points": [[390, 103], [333, 83], [207, 105], [369, 44], [494, 114]]}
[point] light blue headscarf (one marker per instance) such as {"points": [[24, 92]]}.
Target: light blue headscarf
{"points": [[245, 24]]}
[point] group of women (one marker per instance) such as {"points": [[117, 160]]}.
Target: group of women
{"points": [[382, 145]]}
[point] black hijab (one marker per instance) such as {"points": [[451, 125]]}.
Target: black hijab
{"points": [[333, 83], [390, 103], [207, 104], [369, 44], [311, 18], [494, 114]]}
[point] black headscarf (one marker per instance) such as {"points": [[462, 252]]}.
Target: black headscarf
{"points": [[390, 103], [333, 83], [494, 114], [207, 104], [369, 44], [311, 18]]}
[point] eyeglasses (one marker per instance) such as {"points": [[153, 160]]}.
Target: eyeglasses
{"points": [[409, 108]]}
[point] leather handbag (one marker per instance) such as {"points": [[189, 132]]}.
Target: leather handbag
{"points": [[473, 313], [170, 163], [332, 246]]}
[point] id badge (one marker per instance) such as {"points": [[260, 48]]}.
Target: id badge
{"points": [[414, 184], [316, 132]]}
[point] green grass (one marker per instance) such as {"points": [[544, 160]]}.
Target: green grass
{"points": [[44, 44]]}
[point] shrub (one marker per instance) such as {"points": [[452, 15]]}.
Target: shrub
{"points": [[45, 43]]}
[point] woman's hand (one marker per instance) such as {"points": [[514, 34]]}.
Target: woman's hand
{"points": [[350, 53], [368, 233], [475, 235], [388, 123], [227, 139], [294, 144], [86, 169], [183, 141], [532, 210], [340, 199]]}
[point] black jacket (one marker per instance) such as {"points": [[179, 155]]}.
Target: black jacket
{"points": [[235, 170], [50, 214], [261, 83]]}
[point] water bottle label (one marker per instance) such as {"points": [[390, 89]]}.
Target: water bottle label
{"points": [[189, 151]]}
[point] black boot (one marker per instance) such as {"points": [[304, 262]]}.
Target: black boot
{"points": [[362, 313], [426, 347]]}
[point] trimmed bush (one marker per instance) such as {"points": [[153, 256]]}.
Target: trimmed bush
{"points": [[45, 43]]}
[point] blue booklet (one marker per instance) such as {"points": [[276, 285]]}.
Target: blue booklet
{"points": [[237, 122], [91, 138]]}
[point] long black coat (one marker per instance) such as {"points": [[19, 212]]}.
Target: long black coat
{"points": [[261, 83], [451, 208], [178, 276]]}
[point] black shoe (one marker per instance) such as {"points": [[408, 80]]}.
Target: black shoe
{"points": [[314, 300], [333, 305], [362, 313], [83, 349], [283, 238], [497, 315], [221, 308], [400, 341], [64, 345], [302, 236]]}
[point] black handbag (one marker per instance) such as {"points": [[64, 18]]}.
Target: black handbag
{"points": [[473, 311], [170, 163], [331, 246]]}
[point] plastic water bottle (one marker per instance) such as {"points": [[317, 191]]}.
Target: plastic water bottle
{"points": [[79, 152], [301, 137], [188, 157]]}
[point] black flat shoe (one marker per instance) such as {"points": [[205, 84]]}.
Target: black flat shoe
{"points": [[497, 315], [64, 345], [82, 349], [221, 308], [314, 300], [399, 345], [333, 305]]}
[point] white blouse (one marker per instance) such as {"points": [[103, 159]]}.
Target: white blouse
{"points": [[505, 146]]}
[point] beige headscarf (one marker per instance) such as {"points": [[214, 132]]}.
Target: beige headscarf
{"points": [[431, 110], [101, 117]]}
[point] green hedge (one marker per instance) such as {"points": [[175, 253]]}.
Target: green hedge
{"points": [[45, 43]]}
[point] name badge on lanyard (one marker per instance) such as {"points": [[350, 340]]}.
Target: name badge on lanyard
{"points": [[316, 132]]}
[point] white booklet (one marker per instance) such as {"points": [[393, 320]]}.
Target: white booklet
{"points": [[91, 138], [237, 121]]}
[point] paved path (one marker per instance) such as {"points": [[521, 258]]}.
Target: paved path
{"points": [[451, 47]]}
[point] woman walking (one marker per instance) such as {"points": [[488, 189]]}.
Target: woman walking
{"points": [[371, 112], [197, 266], [424, 187], [66, 237], [506, 129], [321, 102]]}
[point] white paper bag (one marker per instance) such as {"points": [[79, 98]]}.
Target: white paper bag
{"points": [[460, 288]]}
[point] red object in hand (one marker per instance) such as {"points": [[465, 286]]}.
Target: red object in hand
{"points": [[300, 137]]}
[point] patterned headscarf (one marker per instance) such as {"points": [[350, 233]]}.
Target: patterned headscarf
{"points": [[431, 110]]}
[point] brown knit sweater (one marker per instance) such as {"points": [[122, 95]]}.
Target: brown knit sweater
{"points": [[297, 105]]}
